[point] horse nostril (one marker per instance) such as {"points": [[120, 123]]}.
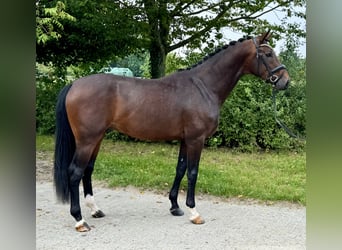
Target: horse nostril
{"points": [[287, 83]]}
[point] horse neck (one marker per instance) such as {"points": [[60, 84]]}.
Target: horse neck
{"points": [[221, 73]]}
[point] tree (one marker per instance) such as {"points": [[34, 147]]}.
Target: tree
{"points": [[177, 23], [48, 21], [100, 32], [105, 28]]}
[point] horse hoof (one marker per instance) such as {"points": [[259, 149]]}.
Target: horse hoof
{"points": [[98, 214], [198, 220], [176, 211], [84, 227]]}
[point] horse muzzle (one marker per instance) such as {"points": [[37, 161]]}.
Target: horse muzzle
{"points": [[279, 82]]}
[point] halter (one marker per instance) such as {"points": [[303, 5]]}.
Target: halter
{"points": [[272, 78]]}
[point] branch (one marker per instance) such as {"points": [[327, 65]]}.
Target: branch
{"points": [[180, 9], [196, 12], [250, 17], [211, 24], [123, 3]]}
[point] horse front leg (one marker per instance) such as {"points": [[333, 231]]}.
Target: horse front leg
{"points": [[194, 154], [180, 172]]}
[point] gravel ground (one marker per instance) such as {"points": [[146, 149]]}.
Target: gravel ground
{"points": [[138, 219]]}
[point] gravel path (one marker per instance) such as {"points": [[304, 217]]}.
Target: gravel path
{"points": [[141, 220]]}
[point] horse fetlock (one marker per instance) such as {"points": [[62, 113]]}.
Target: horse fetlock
{"points": [[176, 211], [76, 213], [95, 211], [98, 214], [195, 217], [90, 202]]}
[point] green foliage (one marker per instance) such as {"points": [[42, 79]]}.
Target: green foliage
{"points": [[48, 85], [247, 117], [101, 31], [146, 68], [48, 22], [133, 61], [173, 63], [175, 24]]}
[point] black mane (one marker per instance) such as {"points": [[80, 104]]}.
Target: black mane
{"points": [[232, 43]]}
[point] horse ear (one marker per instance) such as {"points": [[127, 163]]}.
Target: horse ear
{"points": [[266, 37]]}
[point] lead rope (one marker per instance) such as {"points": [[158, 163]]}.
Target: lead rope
{"points": [[281, 124]]}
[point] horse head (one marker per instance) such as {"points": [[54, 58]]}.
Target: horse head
{"points": [[266, 63]]}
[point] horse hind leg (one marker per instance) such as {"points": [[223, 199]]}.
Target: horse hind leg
{"points": [[76, 172], [96, 212]]}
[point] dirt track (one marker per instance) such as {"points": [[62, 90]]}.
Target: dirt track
{"points": [[140, 220]]}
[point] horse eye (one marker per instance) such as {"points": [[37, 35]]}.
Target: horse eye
{"points": [[269, 54]]}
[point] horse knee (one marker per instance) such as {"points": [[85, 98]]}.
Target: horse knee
{"points": [[192, 176]]}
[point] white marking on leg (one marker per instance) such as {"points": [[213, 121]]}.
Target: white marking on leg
{"points": [[90, 202], [193, 213], [79, 223]]}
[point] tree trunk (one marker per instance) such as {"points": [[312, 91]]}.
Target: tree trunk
{"points": [[159, 25], [157, 60]]}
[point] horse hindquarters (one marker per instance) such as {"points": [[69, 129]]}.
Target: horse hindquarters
{"points": [[65, 148], [71, 161]]}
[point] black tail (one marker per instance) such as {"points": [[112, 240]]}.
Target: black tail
{"points": [[64, 148]]}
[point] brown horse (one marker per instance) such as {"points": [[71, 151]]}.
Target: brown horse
{"points": [[183, 106]]}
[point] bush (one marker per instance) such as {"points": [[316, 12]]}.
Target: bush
{"points": [[47, 88], [247, 117]]}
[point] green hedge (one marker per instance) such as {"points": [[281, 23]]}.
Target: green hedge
{"points": [[247, 117], [246, 121], [47, 89]]}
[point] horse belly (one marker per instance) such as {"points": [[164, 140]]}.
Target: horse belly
{"points": [[149, 126], [151, 129]]}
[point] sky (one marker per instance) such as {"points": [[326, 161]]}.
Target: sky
{"points": [[273, 17]]}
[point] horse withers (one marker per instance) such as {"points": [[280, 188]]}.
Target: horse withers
{"points": [[182, 106]]}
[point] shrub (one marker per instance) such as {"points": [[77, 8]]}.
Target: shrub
{"points": [[48, 85], [247, 117]]}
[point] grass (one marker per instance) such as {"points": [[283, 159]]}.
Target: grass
{"points": [[267, 176]]}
